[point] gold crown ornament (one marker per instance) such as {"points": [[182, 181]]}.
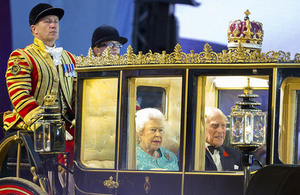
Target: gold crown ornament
{"points": [[247, 33]]}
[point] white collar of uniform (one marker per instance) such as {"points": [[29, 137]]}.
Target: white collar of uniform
{"points": [[55, 52]]}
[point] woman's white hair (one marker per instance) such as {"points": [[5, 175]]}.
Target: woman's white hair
{"points": [[145, 115]]}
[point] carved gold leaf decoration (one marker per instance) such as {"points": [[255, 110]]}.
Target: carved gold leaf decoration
{"points": [[238, 55], [259, 34], [130, 55], [111, 183], [177, 54], [248, 34], [236, 32], [297, 57]]}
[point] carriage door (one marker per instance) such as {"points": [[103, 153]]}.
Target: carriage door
{"points": [[162, 90], [96, 133]]}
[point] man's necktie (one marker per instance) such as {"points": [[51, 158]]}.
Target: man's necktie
{"points": [[211, 149]]}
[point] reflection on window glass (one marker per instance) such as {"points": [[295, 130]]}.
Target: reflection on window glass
{"points": [[157, 130], [99, 107]]}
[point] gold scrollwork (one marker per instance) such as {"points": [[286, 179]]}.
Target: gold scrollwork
{"points": [[238, 55], [110, 183]]}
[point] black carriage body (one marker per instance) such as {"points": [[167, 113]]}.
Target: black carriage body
{"points": [[186, 180]]}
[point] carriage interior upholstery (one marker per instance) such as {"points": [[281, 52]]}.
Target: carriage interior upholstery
{"points": [[100, 113]]}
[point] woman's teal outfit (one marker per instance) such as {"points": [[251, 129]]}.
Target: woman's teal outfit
{"points": [[167, 160]]}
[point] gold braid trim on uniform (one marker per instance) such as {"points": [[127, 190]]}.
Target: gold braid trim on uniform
{"points": [[32, 116], [26, 92], [10, 114]]}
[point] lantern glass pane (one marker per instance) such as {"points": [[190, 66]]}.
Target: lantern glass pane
{"points": [[47, 137], [248, 128], [38, 137], [259, 128], [237, 123], [58, 136], [42, 137]]}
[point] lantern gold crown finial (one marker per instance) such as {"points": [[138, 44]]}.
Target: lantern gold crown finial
{"points": [[248, 33], [248, 90], [247, 13]]}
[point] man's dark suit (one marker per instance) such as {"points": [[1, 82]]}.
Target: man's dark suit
{"points": [[229, 158]]}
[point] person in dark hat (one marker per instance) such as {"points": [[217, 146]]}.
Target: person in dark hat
{"points": [[107, 36], [40, 68]]}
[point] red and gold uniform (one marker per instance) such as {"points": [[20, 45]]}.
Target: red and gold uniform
{"points": [[31, 73]]}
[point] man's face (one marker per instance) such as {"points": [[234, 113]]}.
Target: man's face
{"points": [[47, 29], [114, 46], [216, 130]]}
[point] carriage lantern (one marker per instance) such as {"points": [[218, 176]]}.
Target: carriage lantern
{"points": [[49, 131], [248, 127], [248, 124]]}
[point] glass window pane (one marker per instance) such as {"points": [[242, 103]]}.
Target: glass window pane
{"points": [[297, 129], [222, 93], [163, 94], [231, 95], [99, 118], [288, 148]]}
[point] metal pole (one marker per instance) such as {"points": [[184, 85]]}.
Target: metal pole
{"points": [[18, 155], [246, 178]]}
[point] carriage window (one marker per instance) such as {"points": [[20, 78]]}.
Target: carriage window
{"points": [[289, 122], [222, 93], [146, 95], [297, 130], [231, 95], [99, 122], [160, 98]]}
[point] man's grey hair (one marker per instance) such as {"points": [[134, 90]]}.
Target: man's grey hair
{"points": [[211, 111]]}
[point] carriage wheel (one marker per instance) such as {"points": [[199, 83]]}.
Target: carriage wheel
{"points": [[19, 186], [5, 145]]}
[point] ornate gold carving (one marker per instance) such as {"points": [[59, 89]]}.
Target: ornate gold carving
{"points": [[297, 57], [207, 56], [110, 183], [244, 32]]}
